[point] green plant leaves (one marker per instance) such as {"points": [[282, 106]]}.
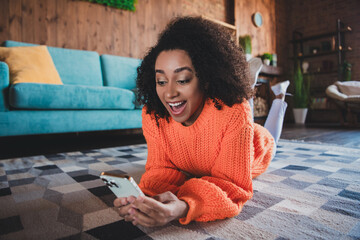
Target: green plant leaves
{"points": [[302, 89], [245, 43], [122, 4]]}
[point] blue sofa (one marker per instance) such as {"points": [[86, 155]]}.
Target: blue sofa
{"points": [[97, 95]]}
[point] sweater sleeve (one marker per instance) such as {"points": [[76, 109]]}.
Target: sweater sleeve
{"points": [[223, 194], [160, 173]]}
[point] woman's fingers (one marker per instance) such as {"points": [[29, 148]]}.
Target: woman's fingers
{"points": [[145, 220], [150, 212], [129, 218], [165, 197], [118, 202], [124, 210], [151, 207]]}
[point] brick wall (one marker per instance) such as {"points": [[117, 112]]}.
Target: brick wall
{"points": [[319, 16], [283, 35]]}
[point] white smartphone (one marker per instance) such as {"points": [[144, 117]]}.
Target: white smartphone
{"points": [[121, 185]]}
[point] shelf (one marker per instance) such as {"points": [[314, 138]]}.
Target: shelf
{"points": [[322, 109], [322, 72], [271, 70], [324, 35], [320, 54], [334, 47]]}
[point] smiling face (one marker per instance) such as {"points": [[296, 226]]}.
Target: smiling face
{"points": [[178, 87]]}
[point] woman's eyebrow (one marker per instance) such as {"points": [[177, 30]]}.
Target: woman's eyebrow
{"points": [[159, 71], [182, 69], [175, 71]]}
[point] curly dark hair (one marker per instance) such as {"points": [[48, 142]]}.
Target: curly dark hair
{"points": [[219, 64]]}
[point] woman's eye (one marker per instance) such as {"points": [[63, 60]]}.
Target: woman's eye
{"points": [[160, 83], [183, 81]]}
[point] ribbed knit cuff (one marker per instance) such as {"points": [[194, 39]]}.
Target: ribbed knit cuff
{"points": [[192, 213], [152, 188]]}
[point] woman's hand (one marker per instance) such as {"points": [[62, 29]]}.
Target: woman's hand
{"points": [[151, 212], [123, 206]]}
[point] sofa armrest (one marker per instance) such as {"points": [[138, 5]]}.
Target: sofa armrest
{"points": [[4, 86]]}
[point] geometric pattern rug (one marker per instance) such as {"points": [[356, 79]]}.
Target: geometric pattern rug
{"points": [[310, 191]]}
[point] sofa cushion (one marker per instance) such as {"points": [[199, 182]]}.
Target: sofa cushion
{"points": [[47, 96], [30, 64], [119, 71], [75, 67]]}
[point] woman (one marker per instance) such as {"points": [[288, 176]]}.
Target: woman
{"points": [[203, 146]]}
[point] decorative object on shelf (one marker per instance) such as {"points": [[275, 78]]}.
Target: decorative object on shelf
{"points": [[301, 95], [314, 50], [346, 71], [257, 19], [305, 67], [266, 57], [333, 43], [121, 4], [245, 43], [319, 103]]}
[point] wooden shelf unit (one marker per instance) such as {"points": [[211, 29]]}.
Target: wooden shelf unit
{"points": [[326, 56], [339, 48]]}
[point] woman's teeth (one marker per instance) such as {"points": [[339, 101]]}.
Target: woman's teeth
{"points": [[175, 104], [177, 107]]}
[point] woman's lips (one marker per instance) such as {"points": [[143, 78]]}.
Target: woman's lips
{"points": [[177, 108]]}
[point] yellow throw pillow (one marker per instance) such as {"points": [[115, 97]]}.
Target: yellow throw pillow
{"points": [[30, 65]]}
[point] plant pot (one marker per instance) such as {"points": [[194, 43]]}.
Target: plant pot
{"points": [[266, 62], [300, 115]]}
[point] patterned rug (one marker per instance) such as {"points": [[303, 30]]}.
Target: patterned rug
{"points": [[310, 191]]}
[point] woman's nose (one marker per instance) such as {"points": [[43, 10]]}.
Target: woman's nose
{"points": [[172, 91]]}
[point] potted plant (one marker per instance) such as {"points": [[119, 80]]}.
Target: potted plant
{"points": [[266, 57], [301, 95], [245, 43]]}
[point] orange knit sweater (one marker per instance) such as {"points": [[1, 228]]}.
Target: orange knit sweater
{"points": [[210, 164]]}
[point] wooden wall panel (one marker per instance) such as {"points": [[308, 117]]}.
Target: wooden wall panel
{"points": [[28, 23], [121, 32], [4, 18], [39, 19], [263, 38], [51, 23], [148, 21], [88, 26], [215, 9], [82, 25], [15, 20]]}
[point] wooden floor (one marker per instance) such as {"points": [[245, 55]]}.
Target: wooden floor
{"points": [[23, 146], [338, 135]]}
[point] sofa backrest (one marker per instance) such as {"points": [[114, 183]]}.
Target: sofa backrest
{"points": [[119, 71], [75, 67]]}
